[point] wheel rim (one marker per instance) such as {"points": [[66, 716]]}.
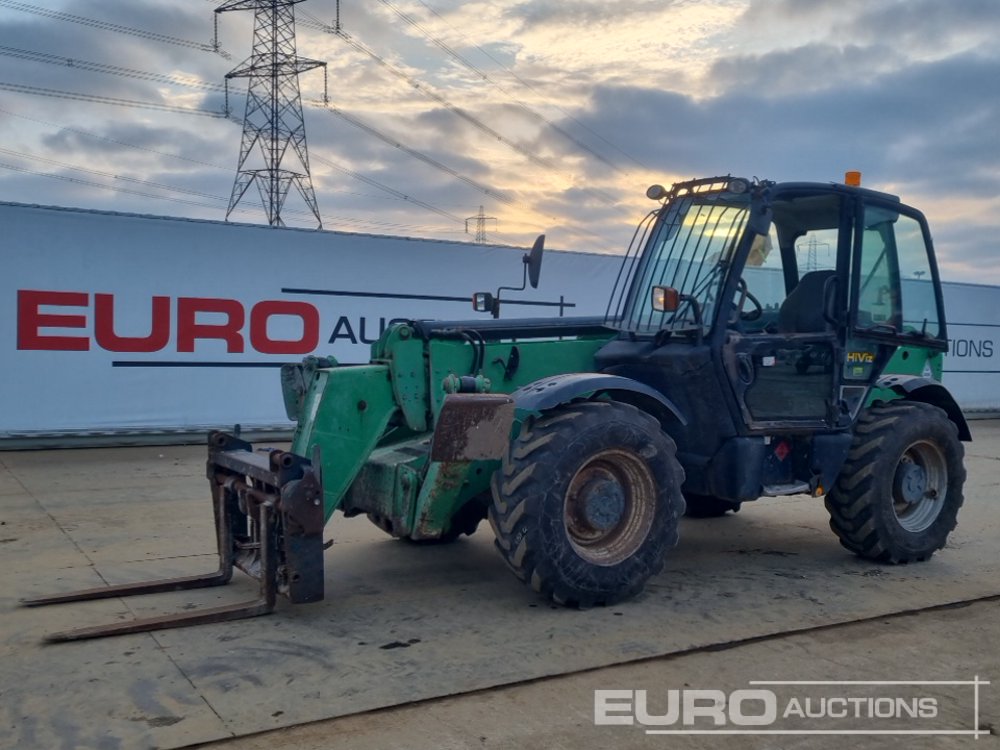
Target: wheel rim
{"points": [[610, 506], [919, 486]]}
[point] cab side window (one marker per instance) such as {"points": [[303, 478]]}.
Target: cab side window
{"points": [[920, 310], [895, 292], [878, 295], [816, 250], [803, 240]]}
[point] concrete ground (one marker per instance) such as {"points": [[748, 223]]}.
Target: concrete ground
{"points": [[558, 713], [767, 594]]}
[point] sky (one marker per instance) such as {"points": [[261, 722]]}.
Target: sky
{"points": [[548, 116]]}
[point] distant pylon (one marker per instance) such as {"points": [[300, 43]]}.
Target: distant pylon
{"points": [[273, 120], [481, 218], [812, 257]]}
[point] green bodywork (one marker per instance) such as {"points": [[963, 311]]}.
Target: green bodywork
{"points": [[909, 360], [373, 424]]}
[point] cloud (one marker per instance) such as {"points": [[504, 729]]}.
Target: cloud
{"points": [[580, 13], [162, 145], [605, 98], [811, 67]]}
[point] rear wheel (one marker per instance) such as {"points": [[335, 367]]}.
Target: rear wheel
{"points": [[707, 506], [898, 495], [587, 502]]}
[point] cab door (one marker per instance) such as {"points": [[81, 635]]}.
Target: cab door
{"points": [[784, 364], [895, 297]]}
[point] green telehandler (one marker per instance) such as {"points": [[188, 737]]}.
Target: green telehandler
{"points": [[761, 339]]}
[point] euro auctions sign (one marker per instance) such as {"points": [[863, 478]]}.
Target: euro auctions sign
{"points": [[118, 323], [801, 707], [181, 322]]}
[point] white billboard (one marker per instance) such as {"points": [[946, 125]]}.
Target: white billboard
{"points": [[116, 323], [121, 322], [972, 365]]}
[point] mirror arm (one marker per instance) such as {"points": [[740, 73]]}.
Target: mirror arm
{"points": [[531, 263], [524, 285]]}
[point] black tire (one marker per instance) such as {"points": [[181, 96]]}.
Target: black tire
{"points": [[587, 502], [899, 492], [707, 506]]}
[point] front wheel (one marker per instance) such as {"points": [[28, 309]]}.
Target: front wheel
{"points": [[898, 495], [587, 502]]}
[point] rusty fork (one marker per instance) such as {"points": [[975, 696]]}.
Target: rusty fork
{"points": [[268, 522]]}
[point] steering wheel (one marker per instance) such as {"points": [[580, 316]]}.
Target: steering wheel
{"points": [[746, 294]]}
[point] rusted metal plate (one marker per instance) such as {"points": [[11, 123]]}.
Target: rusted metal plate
{"points": [[473, 427]]}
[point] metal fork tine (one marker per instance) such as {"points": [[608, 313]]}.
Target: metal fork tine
{"points": [[263, 605], [216, 614], [268, 523], [218, 578]]}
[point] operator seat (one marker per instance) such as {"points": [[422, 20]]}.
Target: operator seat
{"points": [[802, 310]]}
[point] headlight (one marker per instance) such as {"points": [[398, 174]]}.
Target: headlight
{"points": [[738, 186]]}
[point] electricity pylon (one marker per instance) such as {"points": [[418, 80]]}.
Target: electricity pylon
{"points": [[273, 120], [481, 218]]}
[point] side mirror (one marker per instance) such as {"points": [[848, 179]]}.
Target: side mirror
{"points": [[483, 302], [666, 299], [534, 261]]}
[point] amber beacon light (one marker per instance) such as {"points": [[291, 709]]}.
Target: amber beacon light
{"points": [[852, 178]]}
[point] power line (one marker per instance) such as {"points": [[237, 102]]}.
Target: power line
{"points": [[392, 191], [99, 173], [115, 27], [99, 67], [435, 41], [485, 77], [351, 173], [95, 67], [340, 220], [454, 109], [91, 183], [503, 198], [108, 139], [532, 88], [319, 25], [219, 199], [146, 75], [427, 91], [54, 93], [98, 99], [389, 140]]}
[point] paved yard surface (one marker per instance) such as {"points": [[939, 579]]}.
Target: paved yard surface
{"points": [[403, 623]]}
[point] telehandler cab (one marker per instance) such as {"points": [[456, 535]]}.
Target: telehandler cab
{"points": [[761, 339]]}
